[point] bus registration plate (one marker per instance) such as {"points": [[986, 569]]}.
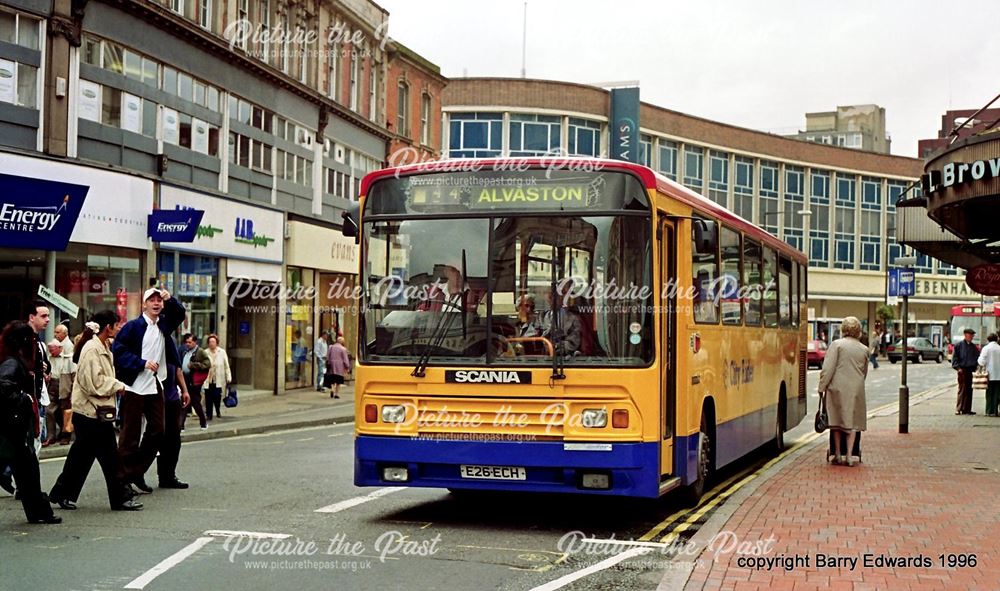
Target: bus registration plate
{"points": [[493, 472]]}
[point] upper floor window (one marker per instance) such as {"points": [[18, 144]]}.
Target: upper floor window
{"points": [[475, 135], [403, 109], [18, 84], [205, 13], [355, 74], [425, 119], [19, 29], [372, 92], [534, 135], [694, 163], [177, 6], [668, 159], [584, 137]]}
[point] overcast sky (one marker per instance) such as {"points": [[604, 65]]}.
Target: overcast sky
{"points": [[760, 64]]}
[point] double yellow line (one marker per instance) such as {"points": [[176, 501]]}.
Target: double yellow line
{"points": [[684, 519]]}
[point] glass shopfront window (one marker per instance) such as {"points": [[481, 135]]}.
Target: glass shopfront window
{"points": [[299, 333], [194, 280], [100, 278]]}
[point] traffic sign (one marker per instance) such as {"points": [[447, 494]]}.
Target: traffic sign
{"points": [[902, 282]]}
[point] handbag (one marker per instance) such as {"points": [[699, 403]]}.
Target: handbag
{"points": [[231, 400], [980, 379], [106, 413], [822, 422]]}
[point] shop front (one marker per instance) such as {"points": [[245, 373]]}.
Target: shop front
{"points": [[229, 277], [103, 264], [320, 281]]}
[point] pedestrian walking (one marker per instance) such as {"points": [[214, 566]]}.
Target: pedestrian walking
{"points": [[220, 376], [67, 373], [320, 350], [195, 367], [989, 358], [876, 338], [94, 389], [142, 350], [38, 319], [965, 360], [175, 398], [19, 420], [338, 364], [842, 380]]}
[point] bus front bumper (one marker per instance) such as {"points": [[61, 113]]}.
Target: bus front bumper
{"points": [[632, 469]]}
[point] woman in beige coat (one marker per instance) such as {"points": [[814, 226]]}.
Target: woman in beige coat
{"points": [[220, 375], [843, 380], [95, 386]]}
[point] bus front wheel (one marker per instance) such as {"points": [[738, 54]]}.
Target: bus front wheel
{"points": [[694, 491]]}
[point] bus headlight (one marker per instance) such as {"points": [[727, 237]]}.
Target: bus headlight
{"points": [[395, 413], [595, 418]]}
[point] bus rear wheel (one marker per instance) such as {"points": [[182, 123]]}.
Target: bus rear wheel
{"points": [[778, 444], [694, 491]]}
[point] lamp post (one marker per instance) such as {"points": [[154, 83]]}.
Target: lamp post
{"points": [[905, 264]]}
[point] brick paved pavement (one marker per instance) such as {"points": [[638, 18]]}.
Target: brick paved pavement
{"points": [[931, 492]]}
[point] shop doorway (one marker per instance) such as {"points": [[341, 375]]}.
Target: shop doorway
{"points": [[252, 337]]}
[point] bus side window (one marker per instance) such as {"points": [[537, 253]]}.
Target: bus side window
{"points": [[730, 284], [752, 282], [770, 281], [705, 271]]}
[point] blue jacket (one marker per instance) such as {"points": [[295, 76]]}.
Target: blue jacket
{"points": [[127, 348], [965, 356]]}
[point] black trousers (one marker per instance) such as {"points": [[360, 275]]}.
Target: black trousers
{"points": [[24, 465], [964, 403], [94, 441], [135, 457], [213, 399], [170, 450], [195, 392]]}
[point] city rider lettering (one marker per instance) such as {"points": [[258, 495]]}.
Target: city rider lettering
{"points": [[39, 220]]}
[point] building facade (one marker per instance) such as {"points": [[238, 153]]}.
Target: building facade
{"points": [[836, 204], [263, 114], [959, 125], [413, 107], [861, 127]]}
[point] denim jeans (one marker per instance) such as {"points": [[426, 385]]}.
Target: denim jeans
{"points": [[320, 372]]}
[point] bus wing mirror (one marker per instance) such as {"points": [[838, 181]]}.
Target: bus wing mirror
{"points": [[351, 228], [706, 235]]}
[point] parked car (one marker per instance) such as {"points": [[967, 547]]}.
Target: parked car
{"points": [[815, 353], [917, 349]]}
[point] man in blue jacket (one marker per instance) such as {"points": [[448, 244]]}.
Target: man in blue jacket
{"points": [[965, 359], [142, 350]]}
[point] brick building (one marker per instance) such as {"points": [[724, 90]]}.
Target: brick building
{"points": [[413, 106]]}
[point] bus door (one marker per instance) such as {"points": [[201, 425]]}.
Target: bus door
{"points": [[668, 346]]}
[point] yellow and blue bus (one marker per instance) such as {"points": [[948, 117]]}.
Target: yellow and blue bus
{"points": [[577, 325]]}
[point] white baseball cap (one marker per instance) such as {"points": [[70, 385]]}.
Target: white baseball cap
{"points": [[150, 292]]}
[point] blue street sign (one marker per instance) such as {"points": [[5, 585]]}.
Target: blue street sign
{"points": [[907, 282], [36, 213], [901, 282]]}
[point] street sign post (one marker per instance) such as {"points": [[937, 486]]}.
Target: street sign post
{"points": [[905, 287]]}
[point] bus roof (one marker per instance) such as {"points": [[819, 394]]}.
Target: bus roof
{"points": [[972, 309], [650, 180]]}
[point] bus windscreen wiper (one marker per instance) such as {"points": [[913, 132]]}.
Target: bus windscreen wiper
{"points": [[556, 330], [437, 336]]}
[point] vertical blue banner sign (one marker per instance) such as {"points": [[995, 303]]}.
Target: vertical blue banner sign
{"points": [[625, 124], [36, 213]]}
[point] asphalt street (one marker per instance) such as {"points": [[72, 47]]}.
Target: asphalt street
{"points": [[279, 511]]}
